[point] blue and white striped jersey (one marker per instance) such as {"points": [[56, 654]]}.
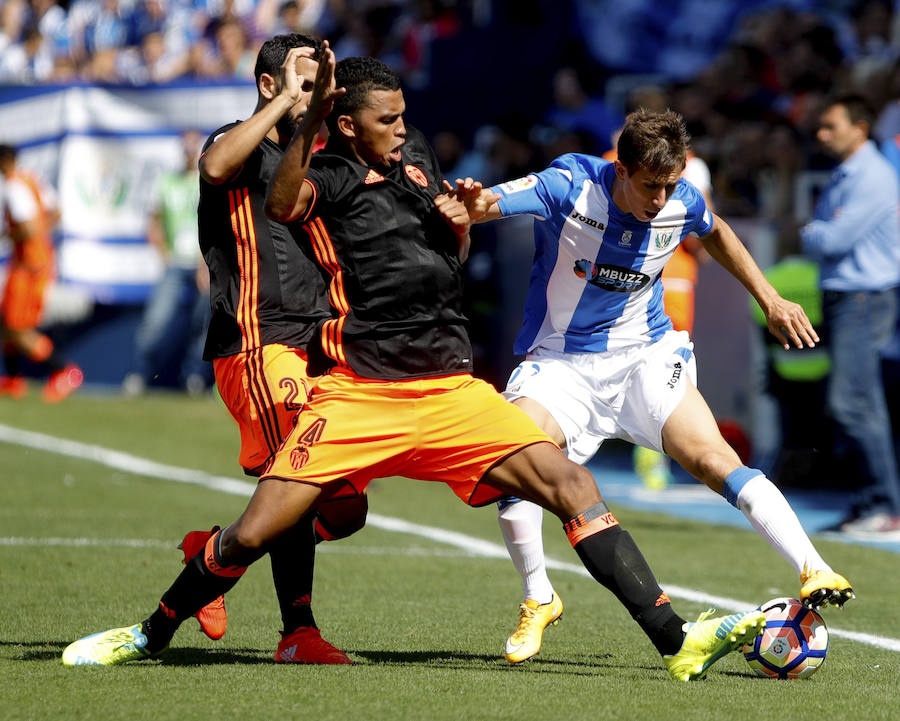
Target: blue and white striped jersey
{"points": [[595, 281]]}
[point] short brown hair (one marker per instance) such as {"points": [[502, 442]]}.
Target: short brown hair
{"points": [[656, 142], [858, 108]]}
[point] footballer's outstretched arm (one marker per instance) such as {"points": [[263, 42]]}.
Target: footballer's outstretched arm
{"points": [[225, 156], [787, 321], [482, 203], [288, 195]]}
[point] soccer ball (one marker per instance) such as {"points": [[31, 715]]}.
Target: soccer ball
{"points": [[793, 643]]}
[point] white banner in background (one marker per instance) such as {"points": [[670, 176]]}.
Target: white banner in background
{"points": [[103, 148]]}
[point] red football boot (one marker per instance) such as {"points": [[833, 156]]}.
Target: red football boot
{"points": [[62, 383], [13, 386], [306, 645], [212, 617]]}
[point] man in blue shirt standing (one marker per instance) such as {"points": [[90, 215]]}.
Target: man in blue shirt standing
{"points": [[855, 237]]}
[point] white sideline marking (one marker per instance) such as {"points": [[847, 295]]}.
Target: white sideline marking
{"points": [[82, 542], [329, 549], [471, 545]]}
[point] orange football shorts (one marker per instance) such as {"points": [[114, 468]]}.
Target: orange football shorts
{"points": [[263, 390], [450, 428], [23, 299]]}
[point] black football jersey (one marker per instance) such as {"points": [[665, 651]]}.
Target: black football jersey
{"points": [[396, 280], [264, 288]]}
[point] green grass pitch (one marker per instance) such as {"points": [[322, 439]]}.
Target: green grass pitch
{"points": [[85, 546]]}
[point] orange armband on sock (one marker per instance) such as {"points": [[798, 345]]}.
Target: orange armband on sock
{"points": [[210, 555], [593, 520]]}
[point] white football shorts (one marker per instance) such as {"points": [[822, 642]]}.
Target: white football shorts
{"points": [[628, 393]]}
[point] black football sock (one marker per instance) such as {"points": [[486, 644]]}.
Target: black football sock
{"points": [[293, 561], [614, 560], [13, 362], [55, 362], [159, 628]]}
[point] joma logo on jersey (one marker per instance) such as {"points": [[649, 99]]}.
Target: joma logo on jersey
{"points": [[676, 374], [610, 277], [587, 221], [663, 238]]}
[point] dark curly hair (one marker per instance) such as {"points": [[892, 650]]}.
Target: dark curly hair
{"points": [[274, 50], [359, 76], [656, 142]]}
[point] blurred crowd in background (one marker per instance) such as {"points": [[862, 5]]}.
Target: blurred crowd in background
{"points": [[751, 97], [501, 87]]}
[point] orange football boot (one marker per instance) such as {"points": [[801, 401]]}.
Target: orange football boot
{"points": [[13, 386], [62, 383], [212, 617]]}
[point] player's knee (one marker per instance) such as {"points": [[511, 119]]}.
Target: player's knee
{"points": [[569, 489], [341, 517], [711, 465], [242, 544]]}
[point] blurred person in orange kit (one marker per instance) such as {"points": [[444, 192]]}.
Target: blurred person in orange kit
{"points": [[30, 212]]}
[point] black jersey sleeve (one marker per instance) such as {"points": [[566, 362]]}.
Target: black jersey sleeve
{"points": [[328, 182], [213, 138]]}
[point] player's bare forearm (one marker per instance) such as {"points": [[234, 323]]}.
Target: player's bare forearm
{"points": [[288, 195], [787, 321], [464, 246], [225, 156], [21, 231], [228, 153], [492, 213], [728, 251], [454, 213], [479, 201], [201, 276], [156, 234]]}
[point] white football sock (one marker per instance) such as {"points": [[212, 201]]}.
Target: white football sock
{"points": [[520, 524], [772, 516]]}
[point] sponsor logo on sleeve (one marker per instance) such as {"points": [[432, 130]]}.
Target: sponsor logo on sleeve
{"points": [[518, 185]]}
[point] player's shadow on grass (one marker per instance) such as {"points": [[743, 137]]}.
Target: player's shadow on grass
{"points": [[183, 656], [186, 656], [744, 675], [52, 651], [36, 650], [453, 660]]}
